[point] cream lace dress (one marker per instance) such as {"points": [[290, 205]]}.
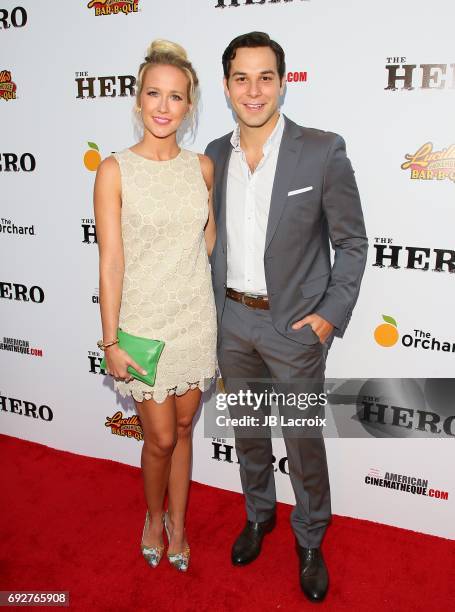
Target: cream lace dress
{"points": [[167, 290]]}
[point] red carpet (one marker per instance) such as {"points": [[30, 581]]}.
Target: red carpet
{"points": [[73, 523]]}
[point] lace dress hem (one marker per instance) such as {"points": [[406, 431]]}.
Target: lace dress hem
{"points": [[140, 391]]}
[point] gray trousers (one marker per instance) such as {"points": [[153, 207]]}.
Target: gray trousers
{"points": [[251, 348]]}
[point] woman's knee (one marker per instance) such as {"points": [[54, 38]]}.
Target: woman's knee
{"points": [[184, 426], [160, 444]]}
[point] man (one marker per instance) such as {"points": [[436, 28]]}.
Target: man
{"points": [[282, 194]]}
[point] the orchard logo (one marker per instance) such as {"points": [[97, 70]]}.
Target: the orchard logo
{"points": [[428, 164], [113, 7], [404, 76], [110, 86], [96, 296], [92, 157], [127, 427], [8, 87], [389, 255], [386, 334], [8, 227]]}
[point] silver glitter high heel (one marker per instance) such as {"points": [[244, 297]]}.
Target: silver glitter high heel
{"points": [[152, 554], [181, 560]]}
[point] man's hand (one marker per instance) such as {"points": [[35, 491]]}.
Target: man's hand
{"points": [[320, 326]]}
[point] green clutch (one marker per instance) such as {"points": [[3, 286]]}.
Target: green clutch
{"points": [[145, 353]]}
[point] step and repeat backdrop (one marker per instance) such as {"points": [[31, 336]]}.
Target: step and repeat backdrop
{"points": [[380, 74]]}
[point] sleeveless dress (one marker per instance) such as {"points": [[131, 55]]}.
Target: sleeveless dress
{"points": [[167, 289]]}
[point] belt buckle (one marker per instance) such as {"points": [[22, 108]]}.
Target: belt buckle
{"points": [[253, 296]]}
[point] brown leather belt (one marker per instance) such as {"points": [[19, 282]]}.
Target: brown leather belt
{"points": [[248, 299]]}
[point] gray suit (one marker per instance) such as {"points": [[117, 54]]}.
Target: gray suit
{"points": [[300, 280]]}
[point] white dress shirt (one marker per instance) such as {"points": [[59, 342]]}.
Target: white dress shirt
{"points": [[247, 212]]}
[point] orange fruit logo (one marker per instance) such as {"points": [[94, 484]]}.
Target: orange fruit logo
{"points": [[92, 157], [386, 334]]}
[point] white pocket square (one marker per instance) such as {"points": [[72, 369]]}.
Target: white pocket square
{"points": [[296, 191]]}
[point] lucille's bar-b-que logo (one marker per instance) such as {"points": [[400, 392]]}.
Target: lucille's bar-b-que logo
{"points": [[126, 427], [113, 7], [428, 164], [7, 86]]}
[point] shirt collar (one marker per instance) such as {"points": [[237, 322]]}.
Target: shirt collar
{"points": [[272, 141]]}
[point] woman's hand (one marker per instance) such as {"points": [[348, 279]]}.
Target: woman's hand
{"points": [[117, 362]]}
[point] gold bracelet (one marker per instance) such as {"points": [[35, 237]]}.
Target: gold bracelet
{"points": [[104, 345]]}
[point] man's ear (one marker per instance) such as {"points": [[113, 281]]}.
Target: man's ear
{"points": [[282, 85], [226, 87]]}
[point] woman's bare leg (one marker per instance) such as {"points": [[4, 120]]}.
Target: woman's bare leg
{"points": [[159, 426], [179, 478]]}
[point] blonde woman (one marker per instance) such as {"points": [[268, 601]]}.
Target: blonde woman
{"points": [[155, 230]]}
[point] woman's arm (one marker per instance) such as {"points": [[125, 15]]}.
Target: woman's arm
{"points": [[208, 171], [107, 205]]}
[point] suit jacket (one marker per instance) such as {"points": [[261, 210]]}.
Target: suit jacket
{"points": [[299, 275]]}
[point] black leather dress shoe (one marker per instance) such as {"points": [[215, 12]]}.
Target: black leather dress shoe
{"points": [[248, 545], [314, 578]]}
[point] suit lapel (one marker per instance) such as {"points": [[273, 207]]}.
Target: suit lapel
{"points": [[288, 156], [221, 188]]}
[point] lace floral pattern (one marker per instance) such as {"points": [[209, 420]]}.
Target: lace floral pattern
{"points": [[141, 392], [167, 292]]}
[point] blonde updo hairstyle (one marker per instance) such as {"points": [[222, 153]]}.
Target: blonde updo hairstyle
{"points": [[167, 53]]}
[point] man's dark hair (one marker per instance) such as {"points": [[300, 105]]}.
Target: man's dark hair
{"points": [[253, 39]]}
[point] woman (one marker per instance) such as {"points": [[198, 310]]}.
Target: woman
{"points": [[155, 227]]}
